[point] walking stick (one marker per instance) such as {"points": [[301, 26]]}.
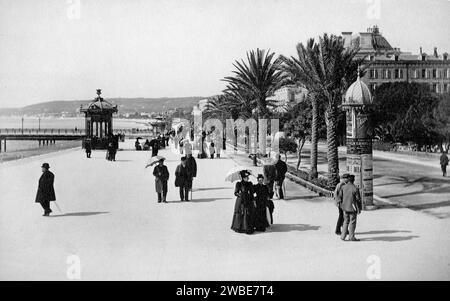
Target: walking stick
{"points": [[59, 209], [284, 188]]}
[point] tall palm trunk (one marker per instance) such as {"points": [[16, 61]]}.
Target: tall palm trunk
{"points": [[332, 143], [314, 138]]}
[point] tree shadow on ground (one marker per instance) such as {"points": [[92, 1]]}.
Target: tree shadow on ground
{"points": [[383, 232], [291, 227], [78, 214], [389, 238]]}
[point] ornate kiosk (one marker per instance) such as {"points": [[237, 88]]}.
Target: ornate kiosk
{"points": [[99, 122], [357, 103]]}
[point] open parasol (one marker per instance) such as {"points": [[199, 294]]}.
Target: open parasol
{"points": [[234, 174], [154, 160]]}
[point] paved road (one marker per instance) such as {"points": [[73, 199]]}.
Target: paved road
{"points": [[113, 224], [416, 183]]}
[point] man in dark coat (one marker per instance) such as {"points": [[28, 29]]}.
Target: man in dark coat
{"points": [[338, 201], [191, 164], [161, 174], [444, 162], [46, 192], [183, 180], [270, 173], [351, 206], [154, 143], [281, 168], [88, 148]]}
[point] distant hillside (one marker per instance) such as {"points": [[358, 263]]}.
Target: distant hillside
{"points": [[125, 105]]}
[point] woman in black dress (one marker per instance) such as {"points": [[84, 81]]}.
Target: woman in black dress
{"points": [[243, 218], [262, 199]]}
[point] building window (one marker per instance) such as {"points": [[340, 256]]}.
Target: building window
{"points": [[446, 73], [373, 73], [434, 73], [424, 73], [415, 73], [446, 88], [398, 73], [387, 73], [373, 87]]}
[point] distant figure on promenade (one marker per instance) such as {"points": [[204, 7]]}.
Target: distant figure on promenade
{"points": [[217, 146], [191, 164], [154, 143], [444, 162], [183, 179], [212, 150], [262, 203], [146, 145], [281, 168], [187, 147], [88, 148], [270, 173], [137, 145], [46, 192], [245, 206], [161, 174], [338, 200], [351, 206]]}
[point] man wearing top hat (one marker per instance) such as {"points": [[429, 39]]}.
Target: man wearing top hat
{"points": [[338, 200], [46, 193]]}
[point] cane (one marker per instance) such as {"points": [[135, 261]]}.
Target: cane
{"points": [[59, 209], [284, 188]]}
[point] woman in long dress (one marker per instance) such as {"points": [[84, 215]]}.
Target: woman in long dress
{"points": [[243, 218], [262, 199]]}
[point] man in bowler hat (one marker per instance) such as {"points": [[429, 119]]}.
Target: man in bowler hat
{"points": [[46, 193], [351, 206], [338, 200]]}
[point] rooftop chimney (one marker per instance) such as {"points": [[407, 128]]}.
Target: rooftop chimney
{"points": [[347, 36], [435, 52], [420, 50]]}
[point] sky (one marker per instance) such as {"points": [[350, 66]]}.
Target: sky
{"points": [[66, 49]]}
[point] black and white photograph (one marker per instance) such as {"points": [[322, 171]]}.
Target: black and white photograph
{"points": [[224, 140]]}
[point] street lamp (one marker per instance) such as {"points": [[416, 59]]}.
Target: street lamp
{"points": [[22, 125]]}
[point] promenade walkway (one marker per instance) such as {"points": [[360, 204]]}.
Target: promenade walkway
{"points": [[110, 219]]}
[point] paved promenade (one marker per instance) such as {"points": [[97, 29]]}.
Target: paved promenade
{"points": [[112, 222]]}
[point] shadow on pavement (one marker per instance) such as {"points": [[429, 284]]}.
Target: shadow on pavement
{"points": [[210, 188], [292, 227], [205, 200], [383, 232], [389, 238], [78, 214]]}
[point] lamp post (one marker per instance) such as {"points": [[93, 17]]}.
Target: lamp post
{"points": [[22, 125]]}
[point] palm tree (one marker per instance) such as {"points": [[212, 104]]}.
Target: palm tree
{"points": [[257, 79], [296, 70], [326, 69]]}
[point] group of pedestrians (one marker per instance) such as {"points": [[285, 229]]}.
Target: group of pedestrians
{"points": [[253, 208], [185, 172], [274, 176]]}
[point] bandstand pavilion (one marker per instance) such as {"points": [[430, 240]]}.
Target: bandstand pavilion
{"points": [[98, 121]]}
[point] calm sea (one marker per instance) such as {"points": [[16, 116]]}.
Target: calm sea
{"points": [[64, 123], [55, 123]]}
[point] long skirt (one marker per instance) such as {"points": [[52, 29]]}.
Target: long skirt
{"points": [[261, 222], [243, 220]]}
